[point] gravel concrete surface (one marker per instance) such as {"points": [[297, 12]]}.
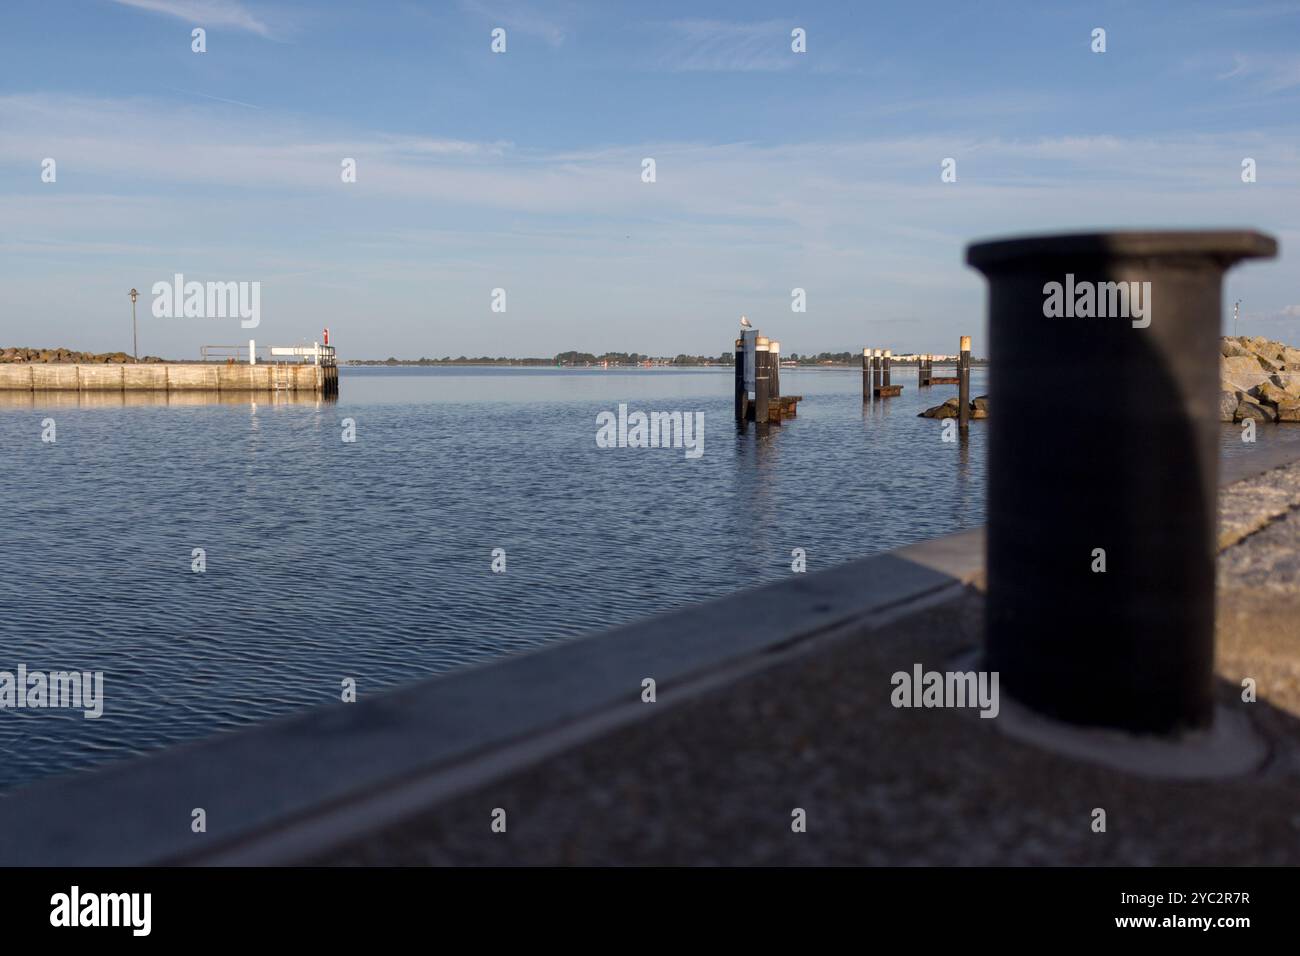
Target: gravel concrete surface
{"points": [[715, 779]]}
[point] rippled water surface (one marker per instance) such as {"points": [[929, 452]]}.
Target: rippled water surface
{"points": [[372, 560]]}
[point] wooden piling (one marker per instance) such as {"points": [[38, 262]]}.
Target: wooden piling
{"points": [[774, 379], [963, 385], [742, 396], [762, 378], [866, 375], [884, 377], [876, 361]]}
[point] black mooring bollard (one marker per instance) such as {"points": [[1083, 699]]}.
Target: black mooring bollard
{"points": [[1101, 508], [920, 371], [762, 357], [866, 375], [742, 396], [963, 384], [885, 361], [877, 364]]}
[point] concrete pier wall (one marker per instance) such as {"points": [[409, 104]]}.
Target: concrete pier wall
{"points": [[170, 377]]}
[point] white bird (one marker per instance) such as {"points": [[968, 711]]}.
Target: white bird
{"points": [[744, 323]]}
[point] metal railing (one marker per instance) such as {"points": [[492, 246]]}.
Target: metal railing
{"points": [[303, 354]]}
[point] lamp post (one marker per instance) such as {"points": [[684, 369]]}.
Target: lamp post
{"points": [[1236, 307], [135, 334]]}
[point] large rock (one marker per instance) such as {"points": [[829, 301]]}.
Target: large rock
{"points": [[1288, 381], [1274, 394], [1242, 373], [1248, 409], [947, 410], [1289, 411]]}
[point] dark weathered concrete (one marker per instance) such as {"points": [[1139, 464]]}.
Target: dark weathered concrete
{"points": [[715, 780]]}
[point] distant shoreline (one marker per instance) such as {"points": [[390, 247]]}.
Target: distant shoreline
{"points": [[655, 363]]}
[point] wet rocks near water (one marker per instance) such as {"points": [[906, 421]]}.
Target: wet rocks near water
{"points": [[67, 356], [1259, 380], [979, 408]]}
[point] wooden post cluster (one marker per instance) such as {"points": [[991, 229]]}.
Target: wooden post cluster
{"points": [[767, 405], [876, 373]]}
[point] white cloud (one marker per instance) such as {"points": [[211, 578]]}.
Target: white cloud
{"points": [[1269, 73], [519, 18], [723, 46], [148, 187], [205, 13]]}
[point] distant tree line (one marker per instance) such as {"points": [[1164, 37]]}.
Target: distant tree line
{"points": [[629, 359], [570, 358]]}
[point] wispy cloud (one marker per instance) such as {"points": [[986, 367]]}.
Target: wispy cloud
{"points": [[724, 46], [519, 18], [209, 96], [1271, 73], [731, 221], [205, 13]]}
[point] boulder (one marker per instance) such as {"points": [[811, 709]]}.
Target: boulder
{"points": [[1229, 348], [1288, 381], [1274, 394], [947, 410], [1289, 411], [1260, 413], [980, 403], [1241, 373]]}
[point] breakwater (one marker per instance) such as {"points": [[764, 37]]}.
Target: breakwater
{"points": [[170, 377]]}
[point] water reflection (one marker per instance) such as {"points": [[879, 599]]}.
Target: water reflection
{"points": [[128, 399]]}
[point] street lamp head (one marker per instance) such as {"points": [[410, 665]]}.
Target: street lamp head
{"points": [[134, 295]]}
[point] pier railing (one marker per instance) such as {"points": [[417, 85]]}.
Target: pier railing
{"points": [[314, 354]]}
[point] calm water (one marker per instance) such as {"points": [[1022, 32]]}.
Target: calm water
{"points": [[372, 560]]}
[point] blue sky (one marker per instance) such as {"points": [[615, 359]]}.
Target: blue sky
{"points": [[522, 170]]}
